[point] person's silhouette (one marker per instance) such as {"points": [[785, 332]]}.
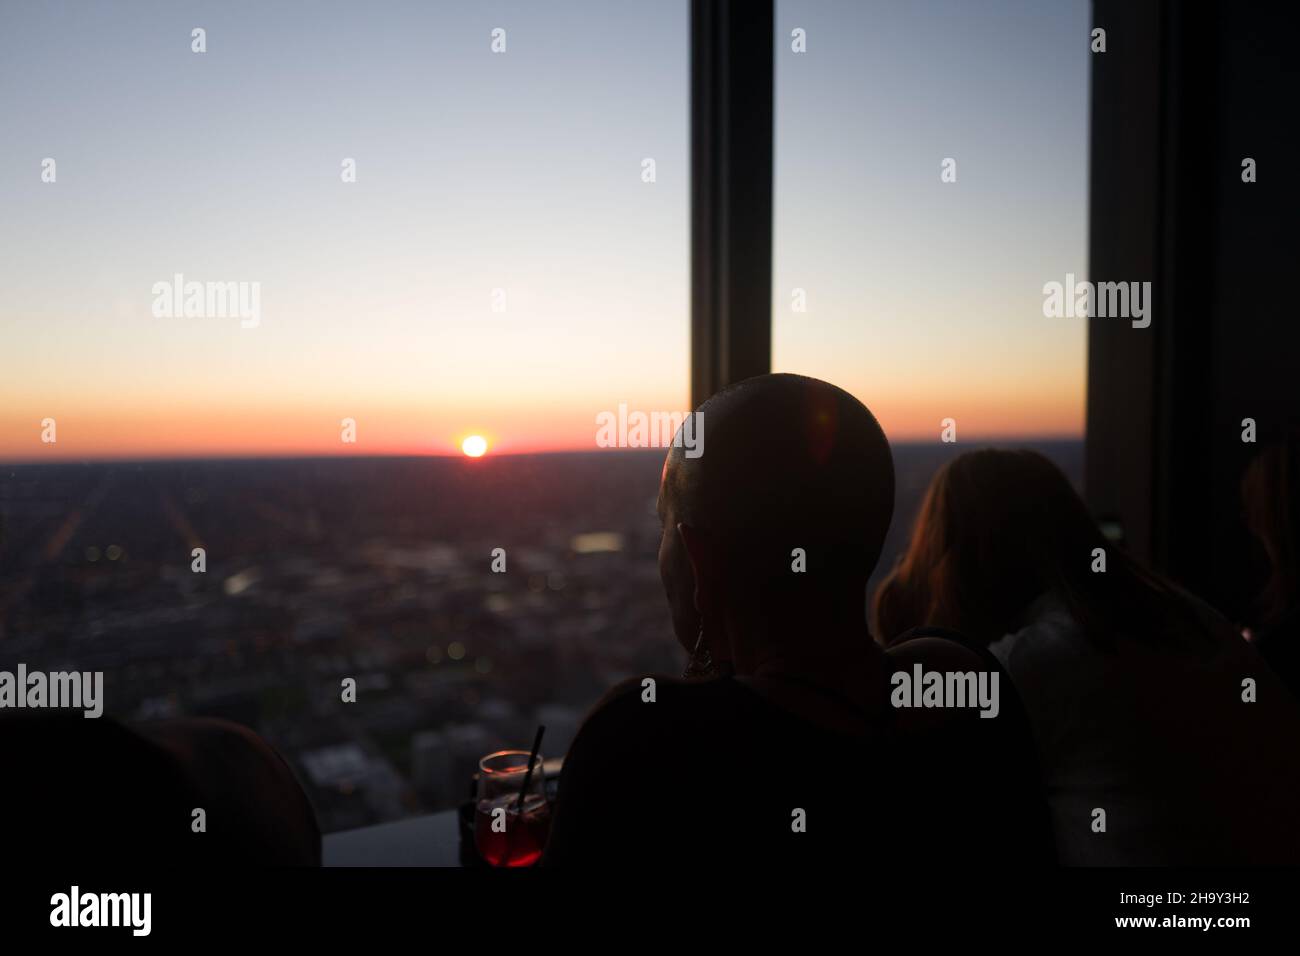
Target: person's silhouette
{"points": [[788, 749], [1162, 737], [100, 793]]}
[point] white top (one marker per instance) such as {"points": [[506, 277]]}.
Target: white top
{"points": [[1161, 740]]}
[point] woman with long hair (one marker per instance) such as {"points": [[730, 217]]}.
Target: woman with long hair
{"points": [[1162, 737], [998, 530]]}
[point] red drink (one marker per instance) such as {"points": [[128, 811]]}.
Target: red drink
{"points": [[509, 837]]}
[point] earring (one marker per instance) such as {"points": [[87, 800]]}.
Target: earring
{"points": [[701, 662]]}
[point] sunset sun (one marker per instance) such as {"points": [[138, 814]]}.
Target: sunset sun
{"points": [[474, 446]]}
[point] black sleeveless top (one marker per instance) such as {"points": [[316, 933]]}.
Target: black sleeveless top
{"points": [[714, 773]]}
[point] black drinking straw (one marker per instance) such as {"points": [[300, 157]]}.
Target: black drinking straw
{"points": [[532, 759]]}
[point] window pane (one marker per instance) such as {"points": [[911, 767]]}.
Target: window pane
{"points": [[405, 230], [921, 296]]}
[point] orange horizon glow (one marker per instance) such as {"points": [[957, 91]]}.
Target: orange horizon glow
{"points": [[178, 432]]}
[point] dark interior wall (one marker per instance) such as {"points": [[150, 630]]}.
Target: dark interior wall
{"points": [[1123, 242], [1256, 343], [1182, 95]]}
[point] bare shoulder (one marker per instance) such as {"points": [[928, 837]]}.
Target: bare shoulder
{"points": [[636, 689], [653, 713], [625, 706]]}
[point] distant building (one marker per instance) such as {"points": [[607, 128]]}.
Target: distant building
{"points": [[336, 765]]}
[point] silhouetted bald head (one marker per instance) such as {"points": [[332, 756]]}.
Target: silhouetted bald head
{"points": [[788, 462]]}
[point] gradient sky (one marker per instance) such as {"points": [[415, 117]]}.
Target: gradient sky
{"points": [[924, 299], [519, 171]]}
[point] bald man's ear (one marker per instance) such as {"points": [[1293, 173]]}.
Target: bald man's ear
{"points": [[695, 543]]}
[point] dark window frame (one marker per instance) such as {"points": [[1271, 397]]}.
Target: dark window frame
{"points": [[731, 192]]}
